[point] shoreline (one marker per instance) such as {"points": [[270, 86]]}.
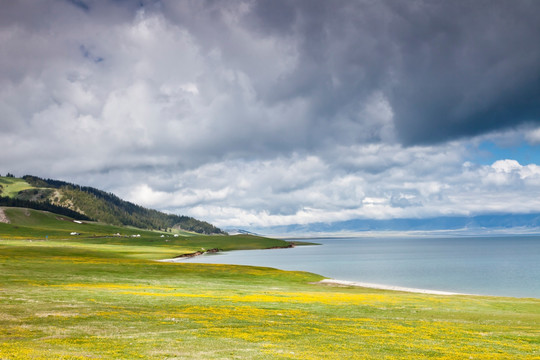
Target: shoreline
{"points": [[216, 250], [354, 283], [335, 282], [386, 287], [182, 257]]}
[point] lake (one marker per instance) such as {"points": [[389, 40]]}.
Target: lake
{"points": [[498, 265]]}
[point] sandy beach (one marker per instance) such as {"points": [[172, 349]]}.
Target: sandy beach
{"points": [[386, 287]]}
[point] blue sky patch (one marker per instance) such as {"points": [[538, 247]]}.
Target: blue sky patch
{"points": [[488, 152]]}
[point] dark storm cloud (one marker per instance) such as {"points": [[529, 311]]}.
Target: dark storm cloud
{"points": [[467, 68], [80, 4], [448, 69], [343, 48]]}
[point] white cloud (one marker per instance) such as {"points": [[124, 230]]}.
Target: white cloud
{"points": [[506, 166], [306, 188], [533, 136]]}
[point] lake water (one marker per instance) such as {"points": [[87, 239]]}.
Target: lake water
{"points": [[500, 265]]}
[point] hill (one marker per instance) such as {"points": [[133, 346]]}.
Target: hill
{"points": [[88, 203], [24, 223]]}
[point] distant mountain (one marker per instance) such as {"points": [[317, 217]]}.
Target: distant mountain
{"points": [[480, 223], [239, 232], [83, 202]]}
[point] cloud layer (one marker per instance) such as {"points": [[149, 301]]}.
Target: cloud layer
{"points": [[274, 112]]}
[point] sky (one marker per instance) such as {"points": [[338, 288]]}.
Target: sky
{"points": [[264, 113]]}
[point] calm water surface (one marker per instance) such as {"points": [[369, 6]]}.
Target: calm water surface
{"points": [[505, 266]]}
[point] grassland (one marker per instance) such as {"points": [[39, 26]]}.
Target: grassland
{"points": [[34, 224], [28, 224], [12, 186], [105, 298]]}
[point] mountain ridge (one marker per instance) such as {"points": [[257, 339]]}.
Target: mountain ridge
{"points": [[85, 202], [475, 223]]}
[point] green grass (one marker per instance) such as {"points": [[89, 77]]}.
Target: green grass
{"points": [[31, 224], [75, 302], [12, 186], [104, 298], [34, 224]]}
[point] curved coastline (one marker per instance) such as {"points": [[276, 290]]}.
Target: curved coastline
{"points": [[215, 250], [309, 258], [334, 282]]}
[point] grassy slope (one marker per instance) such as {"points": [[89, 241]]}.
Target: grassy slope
{"points": [[12, 186], [39, 225], [34, 224], [97, 204], [89, 298]]}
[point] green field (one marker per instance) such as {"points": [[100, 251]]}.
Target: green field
{"points": [[12, 186], [34, 224], [28, 224], [105, 298]]}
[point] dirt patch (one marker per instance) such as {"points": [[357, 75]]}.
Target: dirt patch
{"points": [[3, 217], [197, 253], [57, 314]]}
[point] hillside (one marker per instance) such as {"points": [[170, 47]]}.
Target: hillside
{"points": [[87, 203], [30, 224]]}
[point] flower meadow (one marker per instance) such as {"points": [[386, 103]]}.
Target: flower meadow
{"points": [[58, 302]]}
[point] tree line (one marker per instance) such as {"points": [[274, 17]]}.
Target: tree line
{"points": [[109, 208], [42, 205]]}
